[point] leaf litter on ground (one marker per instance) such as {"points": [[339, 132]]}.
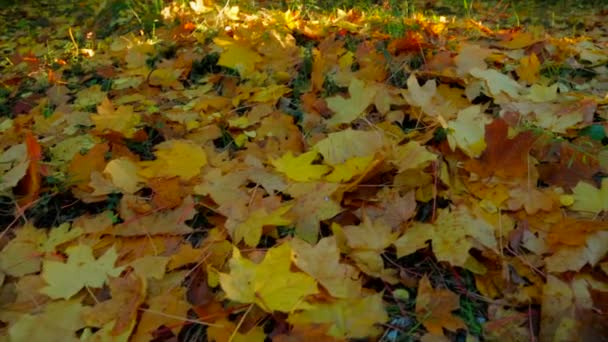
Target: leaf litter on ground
{"points": [[201, 170]]}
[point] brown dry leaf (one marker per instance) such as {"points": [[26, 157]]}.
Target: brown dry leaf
{"points": [[313, 203], [82, 166], [504, 157], [367, 242], [169, 309], [170, 222], [322, 262], [434, 308], [128, 293], [168, 192]]}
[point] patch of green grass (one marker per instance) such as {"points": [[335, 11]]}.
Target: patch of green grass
{"points": [[330, 87], [301, 83]]}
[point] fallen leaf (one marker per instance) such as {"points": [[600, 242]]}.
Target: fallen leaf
{"points": [[180, 158], [59, 321], [346, 318], [434, 308], [453, 234], [14, 163], [251, 229], [322, 262], [588, 198], [121, 120], [529, 69], [347, 110], [81, 270], [300, 168], [504, 157], [270, 284]]}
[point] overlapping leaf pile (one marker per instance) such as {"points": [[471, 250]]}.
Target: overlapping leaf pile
{"points": [[294, 176]]}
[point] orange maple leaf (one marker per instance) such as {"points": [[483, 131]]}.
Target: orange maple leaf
{"points": [[503, 157]]}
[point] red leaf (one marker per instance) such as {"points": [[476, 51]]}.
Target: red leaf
{"points": [[29, 186]]}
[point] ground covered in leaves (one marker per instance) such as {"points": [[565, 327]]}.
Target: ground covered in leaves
{"points": [[190, 171]]}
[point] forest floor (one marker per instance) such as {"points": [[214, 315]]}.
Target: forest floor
{"points": [[254, 170]]}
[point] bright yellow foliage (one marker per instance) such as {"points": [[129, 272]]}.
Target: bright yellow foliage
{"points": [[349, 169], [251, 229], [300, 168], [270, 284], [237, 56], [179, 158]]}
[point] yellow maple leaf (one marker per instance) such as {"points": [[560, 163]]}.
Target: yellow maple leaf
{"points": [[166, 77], [251, 229], [347, 110], [82, 269], [180, 158], [173, 306], [529, 68], [341, 146], [313, 203], [322, 262], [453, 234], [224, 330], [412, 156], [346, 318], [564, 302], [498, 83], [60, 235], [122, 119], [270, 93], [21, 255], [531, 199], [590, 199], [14, 163], [349, 169], [367, 242], [151, 266], [540, 93], [237, 56], [471, 56], [420, 96], [520, 40], [300, 168], [270, 284], [90, 96], [434, 308], [59, 320], [123, 173], [468, 131]]}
